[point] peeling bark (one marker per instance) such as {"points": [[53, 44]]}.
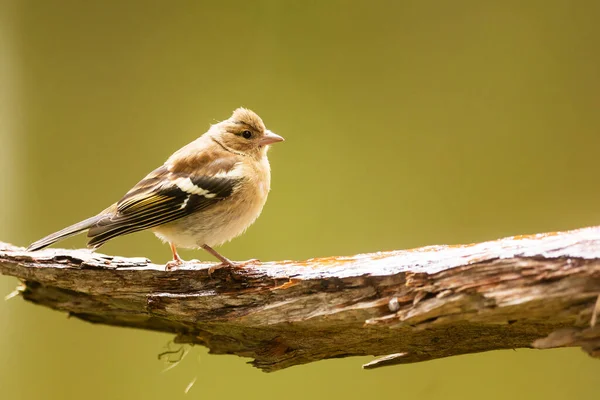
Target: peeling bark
{"points": [[537, 291]]}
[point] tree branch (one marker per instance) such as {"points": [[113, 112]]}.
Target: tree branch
{"points": [[527, 291]]}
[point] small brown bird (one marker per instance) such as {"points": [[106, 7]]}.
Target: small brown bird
{"points": [[205, 194]]}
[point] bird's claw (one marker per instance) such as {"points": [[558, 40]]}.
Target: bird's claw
{"points": [[173, 265]]}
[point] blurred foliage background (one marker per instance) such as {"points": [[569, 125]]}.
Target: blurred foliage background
{"points": [[408, 123]]}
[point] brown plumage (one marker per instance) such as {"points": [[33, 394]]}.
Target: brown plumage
{"points": [[206, 193]]}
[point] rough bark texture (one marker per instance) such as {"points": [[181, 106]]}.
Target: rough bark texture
{"points": [[414, 305]]}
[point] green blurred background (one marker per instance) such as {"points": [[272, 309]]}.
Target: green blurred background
{"points": [[408, 123]]}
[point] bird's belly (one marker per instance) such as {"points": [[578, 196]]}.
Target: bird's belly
{"points": [[215, 225]]}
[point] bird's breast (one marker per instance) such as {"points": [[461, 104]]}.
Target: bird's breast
{"points": [[226, 219]]}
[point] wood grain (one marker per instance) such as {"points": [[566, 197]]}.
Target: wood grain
{"points": [[407, 306]]}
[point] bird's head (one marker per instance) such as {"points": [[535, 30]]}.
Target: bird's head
{"points": [[244, 132]]}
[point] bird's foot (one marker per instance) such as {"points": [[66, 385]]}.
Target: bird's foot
{"points": [[174, 264], [233, 264]]}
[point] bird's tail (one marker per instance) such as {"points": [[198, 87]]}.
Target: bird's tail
{"points": [[65, 233]]}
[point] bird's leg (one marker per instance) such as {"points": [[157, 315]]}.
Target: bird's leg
{"points": [[225, 261], [176, 261]]}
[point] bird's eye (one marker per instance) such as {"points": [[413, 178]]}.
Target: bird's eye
{"points": [[247, 134]]}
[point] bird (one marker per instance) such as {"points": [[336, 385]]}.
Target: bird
{"points": [[205, 194]]}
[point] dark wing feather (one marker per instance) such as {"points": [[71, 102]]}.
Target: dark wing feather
{"points": [[163, 196]]}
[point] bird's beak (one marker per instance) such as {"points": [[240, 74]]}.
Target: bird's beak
{"points": [[270, 138]]}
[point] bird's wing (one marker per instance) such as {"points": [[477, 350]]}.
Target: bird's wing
{"points": [[167, 194]]}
